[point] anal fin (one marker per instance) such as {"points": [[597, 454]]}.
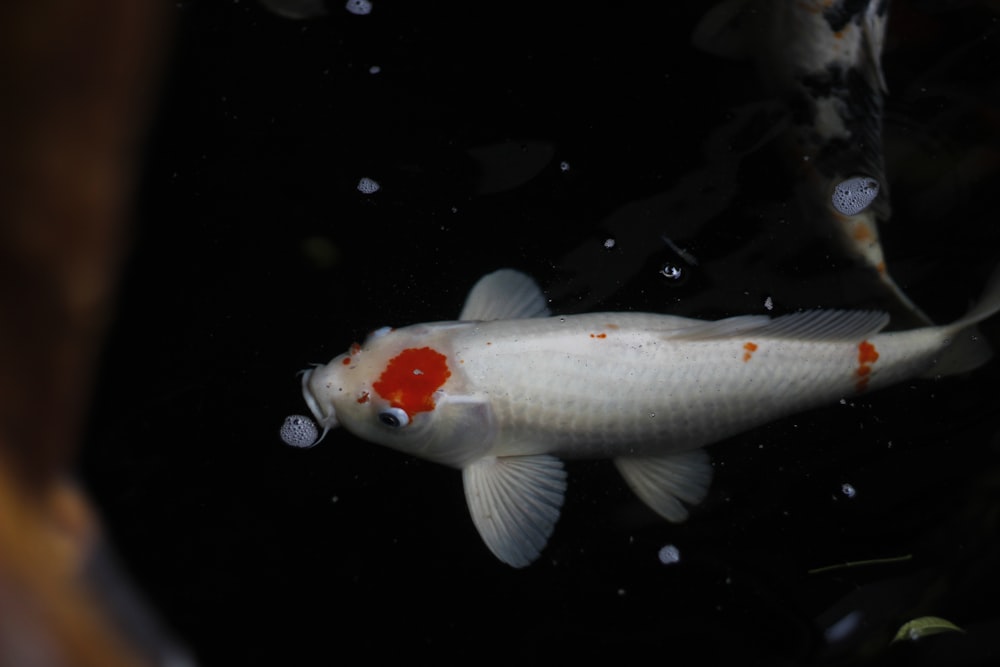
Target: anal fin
{"points": [[663, 482]]}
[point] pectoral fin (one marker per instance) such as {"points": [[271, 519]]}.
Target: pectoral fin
{"points": [[515, 503], [662, 482]]}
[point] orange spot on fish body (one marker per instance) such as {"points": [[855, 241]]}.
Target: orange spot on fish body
{"points": [[363, 398], [748, 350], [867, 355], [411, 378], [355, 348], [612, 326], [599, 335], [346, 361]]}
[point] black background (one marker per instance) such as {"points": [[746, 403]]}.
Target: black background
{"points": [[254, 255]]}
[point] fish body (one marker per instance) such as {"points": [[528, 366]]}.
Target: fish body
{"points": [[506, 392]]}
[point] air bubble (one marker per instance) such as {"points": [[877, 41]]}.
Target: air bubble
{"points": [[672, 272], [854, 195], [847, 490]]}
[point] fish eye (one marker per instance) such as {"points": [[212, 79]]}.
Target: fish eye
{"points": [[394, 417]]}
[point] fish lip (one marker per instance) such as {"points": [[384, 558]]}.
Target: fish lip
{"points": [[326, 421]]}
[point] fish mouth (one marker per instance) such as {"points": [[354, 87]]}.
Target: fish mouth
{"points": [[327, 421]]}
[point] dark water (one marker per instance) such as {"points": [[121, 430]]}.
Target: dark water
{"points": [[504, 135]]}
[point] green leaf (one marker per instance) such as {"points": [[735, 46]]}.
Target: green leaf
{"points": [[924, 627]]}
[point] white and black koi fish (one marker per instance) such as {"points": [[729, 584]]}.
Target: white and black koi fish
{"points": [[822, 59]]}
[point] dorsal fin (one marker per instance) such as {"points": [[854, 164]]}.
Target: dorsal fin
{"points": [[815, 325], [505, 294]]}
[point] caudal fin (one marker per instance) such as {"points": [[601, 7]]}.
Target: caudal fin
{"points": [[969, 349]]}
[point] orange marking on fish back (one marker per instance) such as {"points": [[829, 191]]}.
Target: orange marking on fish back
{"points": [[363, 398], [612, 326], [355, 348], [346, 361], [867, 355], [600, 335], [411, 378], [863, 232], [748, 350]]}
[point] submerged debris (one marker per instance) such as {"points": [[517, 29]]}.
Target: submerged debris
{"points": [[924, 627]]}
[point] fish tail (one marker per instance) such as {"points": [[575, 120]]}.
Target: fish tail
{"points": [[987, 306], [969, 349]]}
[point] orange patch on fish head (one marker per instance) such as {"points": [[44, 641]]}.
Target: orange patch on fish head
{"points": [[410, 379]]}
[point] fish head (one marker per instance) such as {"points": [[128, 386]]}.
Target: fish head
{"points": [[403, 389]]}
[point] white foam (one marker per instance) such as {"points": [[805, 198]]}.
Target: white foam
{"points": [[299, 431], [368, 186], [669, 554], [359, 7], [854, 195]]}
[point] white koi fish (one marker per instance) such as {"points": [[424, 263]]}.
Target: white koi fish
{"points": [[506, 392]]}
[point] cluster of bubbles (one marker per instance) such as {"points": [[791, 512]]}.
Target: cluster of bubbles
{"points": [[299, 431], [669, 554], [855, 194], [368, 186], [359, 7]]}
